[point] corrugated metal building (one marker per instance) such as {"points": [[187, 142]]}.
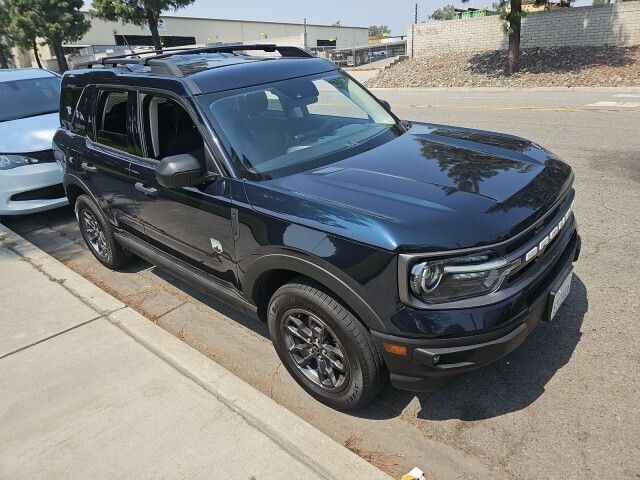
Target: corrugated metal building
{"points": [[111, 37]]}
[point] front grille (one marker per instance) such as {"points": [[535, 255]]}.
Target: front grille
{"points": [[534, 233], [46, 193], [554, 269], [513, 277]]}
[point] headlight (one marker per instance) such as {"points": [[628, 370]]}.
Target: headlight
{"points": [[457, 278], [12, 161]]}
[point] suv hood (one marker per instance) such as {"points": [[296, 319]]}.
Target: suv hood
{"points": [[31, 134], [432, 188]]}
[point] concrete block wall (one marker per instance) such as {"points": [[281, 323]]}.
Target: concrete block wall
{"points": [[616, 24]]}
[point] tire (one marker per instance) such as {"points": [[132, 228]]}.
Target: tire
{"points": [[98, 233], [293, 314]]}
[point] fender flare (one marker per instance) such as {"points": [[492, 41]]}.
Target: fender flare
{"points": [[71, 179], [311, 269]]}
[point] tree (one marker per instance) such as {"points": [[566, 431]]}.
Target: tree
{"points": [[337, 23], [20, 30], [55, 21], [511, 14], [379, 31], [5, 42], [137, 12], [445, 13]]}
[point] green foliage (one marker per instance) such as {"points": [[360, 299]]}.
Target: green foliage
{"points": [[53, 20], [4, 19], [56, 21], [5, 26], [379, 31], [511, 18], [134, 11], [5, 40], [445, 13]]}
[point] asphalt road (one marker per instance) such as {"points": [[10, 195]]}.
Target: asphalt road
{"points": [[563, 405]]}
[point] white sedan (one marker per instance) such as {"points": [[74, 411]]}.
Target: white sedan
{"points": [[30, 178]]}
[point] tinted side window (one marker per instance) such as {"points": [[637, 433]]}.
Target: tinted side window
{"points": [[68, 100], [112, 121], [82, 113], [169, 129]]}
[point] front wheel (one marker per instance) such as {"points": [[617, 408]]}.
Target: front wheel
{"points": [[324, 347]]}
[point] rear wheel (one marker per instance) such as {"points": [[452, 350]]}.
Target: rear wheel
{"points": [[324, 347], [98, 233]]}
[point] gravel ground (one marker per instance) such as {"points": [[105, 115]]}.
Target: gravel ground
{"points": [[539, 67]]}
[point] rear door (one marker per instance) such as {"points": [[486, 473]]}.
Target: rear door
{"points": [[192, 223], [105, 160]]}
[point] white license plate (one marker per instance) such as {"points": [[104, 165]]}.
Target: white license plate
{"points": [[561, 295]]}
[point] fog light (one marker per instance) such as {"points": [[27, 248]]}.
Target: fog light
{"points": [[395, 349]]}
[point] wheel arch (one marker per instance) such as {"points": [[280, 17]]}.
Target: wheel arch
{"points": [[74, 187], [269, 272]]}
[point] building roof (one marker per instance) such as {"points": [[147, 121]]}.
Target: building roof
{"points": [[235, 20]]}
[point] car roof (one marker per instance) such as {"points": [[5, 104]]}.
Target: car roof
{"points": [[11, 74], [213, 74], [202, 70]]}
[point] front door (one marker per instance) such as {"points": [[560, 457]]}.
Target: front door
{"points": [[191, 223]]}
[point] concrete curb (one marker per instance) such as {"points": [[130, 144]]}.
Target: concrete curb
{"points": [[300, 440], [505, 89]]}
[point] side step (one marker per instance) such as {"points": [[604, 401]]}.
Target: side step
{"points": [[185, 271]]}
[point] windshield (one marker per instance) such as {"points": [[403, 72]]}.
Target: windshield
{"points": [[29, 97], [286, 127]]}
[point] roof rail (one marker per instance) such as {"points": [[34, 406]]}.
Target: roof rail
{"points": [[136, 58]]}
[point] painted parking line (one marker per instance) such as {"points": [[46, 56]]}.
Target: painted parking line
{"points": [[615, 104]]}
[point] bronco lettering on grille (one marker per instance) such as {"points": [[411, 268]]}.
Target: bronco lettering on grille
{"points": [[546, 240]]}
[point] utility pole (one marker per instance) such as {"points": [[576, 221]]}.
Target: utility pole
{"points": [[415, 20], [305, 33]]}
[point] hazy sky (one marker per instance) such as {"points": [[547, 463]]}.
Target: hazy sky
{"points": [[395, 13]]}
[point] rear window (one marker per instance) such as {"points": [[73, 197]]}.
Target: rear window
{"points": [[29, 97]]}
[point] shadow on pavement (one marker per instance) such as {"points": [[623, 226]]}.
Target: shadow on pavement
{"points": [[233, 313], [511, 384]]}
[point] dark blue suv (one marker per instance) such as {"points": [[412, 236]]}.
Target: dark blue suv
{"points": [[373, 247]]}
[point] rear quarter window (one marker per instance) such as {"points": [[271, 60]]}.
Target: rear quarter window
{"points": [[81, 116], [69, 96]]}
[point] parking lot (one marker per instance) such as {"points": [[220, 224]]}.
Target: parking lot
{"points": [[563, 405]]}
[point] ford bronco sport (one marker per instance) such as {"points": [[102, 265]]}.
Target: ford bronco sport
{"points": [[373, 247]]}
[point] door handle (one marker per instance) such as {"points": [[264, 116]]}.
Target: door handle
{"points": [[88, 168], [149, 191]]}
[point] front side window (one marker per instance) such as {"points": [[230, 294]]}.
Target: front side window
{"points": [[169, 129], [29, 97], [294, 125], [112, 121]]}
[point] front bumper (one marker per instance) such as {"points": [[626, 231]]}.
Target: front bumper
{"points": [[430, 363], [28, 189]]}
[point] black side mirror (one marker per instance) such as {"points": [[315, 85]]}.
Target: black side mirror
{"points": [[182, 170], [386, 105]]}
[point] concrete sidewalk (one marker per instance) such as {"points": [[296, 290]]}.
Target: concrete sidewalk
{"points": [[91, 389]]}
